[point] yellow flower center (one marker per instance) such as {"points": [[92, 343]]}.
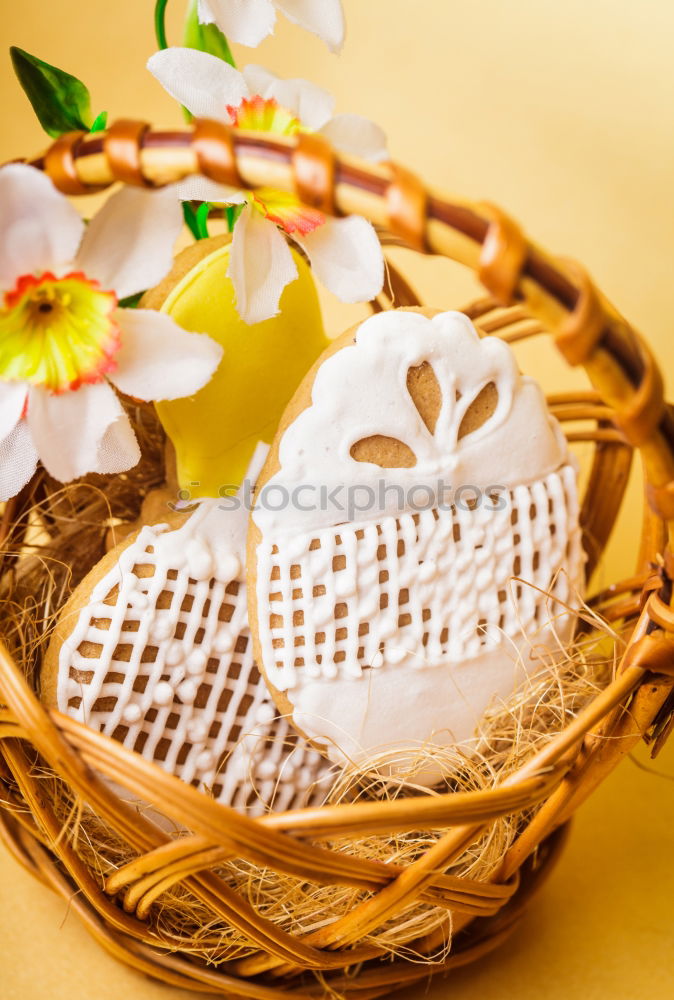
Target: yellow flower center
{"points": [[260, 114], [58, 333]]}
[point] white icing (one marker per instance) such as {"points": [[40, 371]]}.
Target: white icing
{"points": [[398, 628], [396, 713], [197, 704], [131, 713], [361, 391], [196, 662], [162, 695], [401, 612]]}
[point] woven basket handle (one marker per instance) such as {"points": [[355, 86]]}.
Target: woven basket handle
{"points": [[587, 329]]}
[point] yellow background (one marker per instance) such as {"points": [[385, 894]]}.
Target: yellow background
{"points": [[562, 113]]}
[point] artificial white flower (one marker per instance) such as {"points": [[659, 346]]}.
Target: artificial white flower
{"points": [[249, 21], [345, 253], [63, 337]]}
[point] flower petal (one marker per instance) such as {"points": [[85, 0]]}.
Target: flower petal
{"points": [[357, 136], [18, 460], [202, 189], [200, 81], [324, 18], [346, 257], [68, 429], [41, 230], [128, 245], [260, 266], [119, 449], [243, 21], [12, 400], [313, 105], [160, 360]]}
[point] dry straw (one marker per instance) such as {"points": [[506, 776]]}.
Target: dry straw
{"points": [[383, 884]]}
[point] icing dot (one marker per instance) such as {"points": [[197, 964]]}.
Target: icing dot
{"points": [[205, 760], [289, 770], [199, 560], [377, 660], [229, 566], [162, 628], [163, 693], [330, 670], [175, 654], [305, 777], [137, 599], [187, 692], [237, 767], [395, 655], [297, 546], [364, 555], [323, 612], [320, 562], [346, 584], [196, 662], [369, 576], [387, 627], [370, 605], [267, 769], [197, 730], [223, 641], [427, 570], [265, 713], [131, 713]]}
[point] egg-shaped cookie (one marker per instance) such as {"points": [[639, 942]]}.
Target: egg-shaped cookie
{"points": [[153, 649], [216, 430], [414, 550]]}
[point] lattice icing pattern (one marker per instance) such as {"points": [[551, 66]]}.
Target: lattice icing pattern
{"points": [[161, 659], [394, 591], [398, 624]]}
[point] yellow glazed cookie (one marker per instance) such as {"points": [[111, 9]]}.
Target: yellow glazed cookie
{"points": [[216, 431]]}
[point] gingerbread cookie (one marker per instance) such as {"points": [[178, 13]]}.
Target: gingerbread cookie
{"points": [[414, 543], [154, 650]]}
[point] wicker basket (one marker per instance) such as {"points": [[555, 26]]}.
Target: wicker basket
{"points": [[530, 293]]}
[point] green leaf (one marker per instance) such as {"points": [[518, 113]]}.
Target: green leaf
{"points": [[202, 219], [131, 301], [60, 101], [100, 122], [205, 37]]}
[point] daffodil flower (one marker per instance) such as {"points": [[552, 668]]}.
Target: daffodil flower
{"points": [[250, 21], [345, 254], [64, 340]]}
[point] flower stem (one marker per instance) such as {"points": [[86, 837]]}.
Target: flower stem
{"points": [[201, 216], [160, 23], [190, 218]]}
